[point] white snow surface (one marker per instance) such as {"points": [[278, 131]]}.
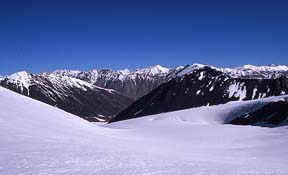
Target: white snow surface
{"points": [[39, 139], [237, 90]]}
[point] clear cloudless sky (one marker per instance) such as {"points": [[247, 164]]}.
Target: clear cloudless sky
{"points": [[44, 35]]}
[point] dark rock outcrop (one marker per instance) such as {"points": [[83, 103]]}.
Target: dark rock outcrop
{"points": [[272, 114], [202, 87]]}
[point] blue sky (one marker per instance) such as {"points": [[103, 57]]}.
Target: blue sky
{"points": [[40, 36]]}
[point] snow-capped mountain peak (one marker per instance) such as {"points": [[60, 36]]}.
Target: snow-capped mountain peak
{"points": [[21, 75], [125, 71], [263, 68], [190, 68], [150, 71], [69, 82], [159, 69], [245, 71], [66, 72], [124, 81], [153, 70], [251, 71], [22, 79]]}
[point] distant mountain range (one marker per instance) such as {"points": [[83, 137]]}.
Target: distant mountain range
{"points": [[133, 84], [99, 95]]}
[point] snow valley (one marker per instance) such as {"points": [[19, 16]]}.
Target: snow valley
{"points": [[171, 127], [47, 140]]}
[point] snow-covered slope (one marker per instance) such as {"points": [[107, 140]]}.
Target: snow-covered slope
{"points": [[39, 139], [27, 116]]}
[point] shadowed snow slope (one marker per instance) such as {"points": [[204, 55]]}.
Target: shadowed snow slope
{"points": [[39, 139]]}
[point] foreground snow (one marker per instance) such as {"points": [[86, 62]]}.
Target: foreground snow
{"points": [[39, 139]]}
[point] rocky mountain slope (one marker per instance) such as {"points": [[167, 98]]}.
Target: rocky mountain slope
{"points": [[89, 94], [72, 95], [200, 85], [97, 95], [133, 84], [140, 82]]}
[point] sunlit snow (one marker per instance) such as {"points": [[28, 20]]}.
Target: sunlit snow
{"points": [[39, 139]]}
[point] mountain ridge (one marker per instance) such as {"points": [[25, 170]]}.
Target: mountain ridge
{"points": [[73, 95], [202, 86], [128, 86]]}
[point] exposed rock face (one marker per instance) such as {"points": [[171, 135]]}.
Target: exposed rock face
{"points": [[72, 95], [201, 86], [133, 84], [272, 114]]}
